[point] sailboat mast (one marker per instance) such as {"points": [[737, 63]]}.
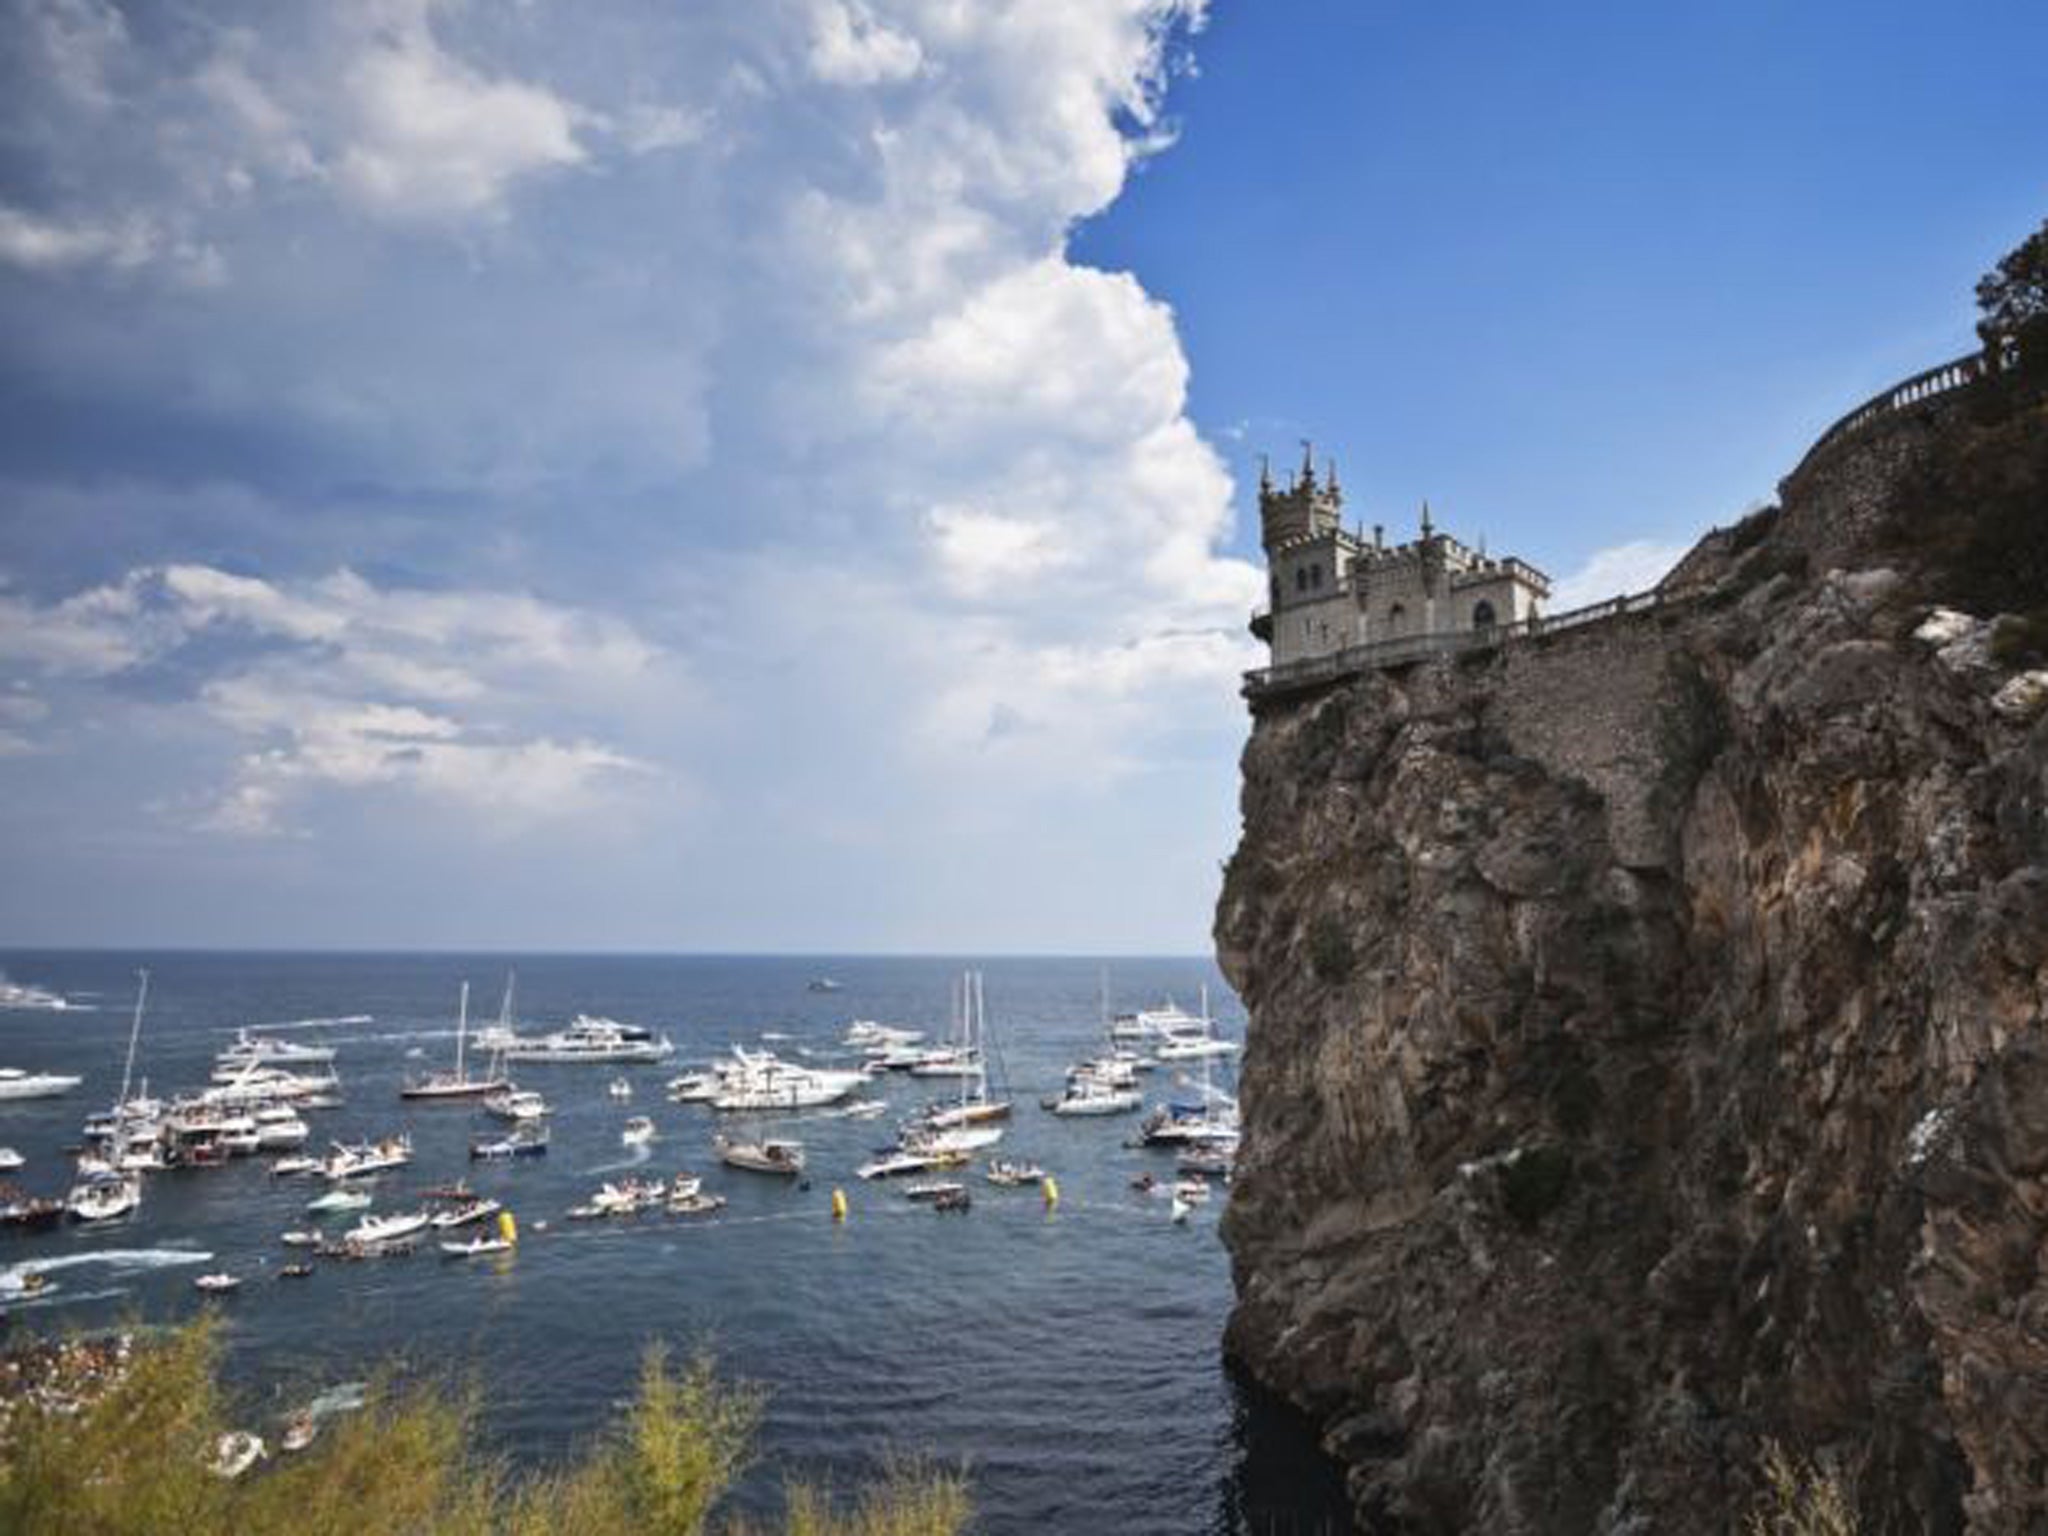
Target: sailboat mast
{"points": [[134, 1036], [461, 1032]]}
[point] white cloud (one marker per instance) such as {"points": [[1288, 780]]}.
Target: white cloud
{"points": [[850, 47], [44, 244], [1635, 566], [434, 138]]}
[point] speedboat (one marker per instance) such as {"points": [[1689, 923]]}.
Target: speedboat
{"points": [[299, 1431], [104, 1198], [11, 1160], [947, 1061], [285, 1167], [783, 1157], [474, 1209], [217, 1284], [1093, 1096], [638, 1131], [933, 1189], [696, 1087], [235, 1453], [620, 1088], [15, 994], [866, 1034], [894, 1161], [365, 1158], [475, 1247], [763, 1081], [824, 984], [592, 1039], [278, 1127], [17, 1084], [339, 1200], [299, 1237], [372, 1231], [250, 1048], [953, 1200], [524, 1142], [1011, 1175]]}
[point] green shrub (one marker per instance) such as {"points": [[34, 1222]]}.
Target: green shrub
{"points": [[132, 1462]]}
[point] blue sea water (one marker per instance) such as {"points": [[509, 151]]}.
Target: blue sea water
{"points": [[1068, 1356]]}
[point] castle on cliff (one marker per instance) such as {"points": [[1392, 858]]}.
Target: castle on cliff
{"points": [[1331, 588]]}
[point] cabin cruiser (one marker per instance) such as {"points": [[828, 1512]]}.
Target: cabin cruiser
{"points": [[15, 994], [17, 1084], [1192, 1045], [638, 1131], [278, 1128], [629, 1196], [783, 1157], [867, 1035], [462, 1213], [699, 1087], [592, 1039], [339, 1200], [891, 1162], [1011, 1175], [1094, 1096], [255, 1086], [11, 1161], [364, 1158], [947, 1061]]}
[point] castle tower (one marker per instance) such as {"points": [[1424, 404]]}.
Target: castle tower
{"points": [[1306, 509]]}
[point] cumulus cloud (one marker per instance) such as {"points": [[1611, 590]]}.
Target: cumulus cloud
{"points": [[29, 240]]}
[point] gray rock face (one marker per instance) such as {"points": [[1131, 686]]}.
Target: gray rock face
{"points": [[1578, 1162]]}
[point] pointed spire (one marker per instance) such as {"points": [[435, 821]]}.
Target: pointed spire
{"points": [[1330, 474], [1308, 465], [1428, 528], [1265, 475]]}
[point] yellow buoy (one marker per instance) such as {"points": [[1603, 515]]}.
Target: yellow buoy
{"points": [[508, 1229], [839, 1205], [1051, 1186]]}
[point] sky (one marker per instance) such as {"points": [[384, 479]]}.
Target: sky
{"points": [[777, 474]]}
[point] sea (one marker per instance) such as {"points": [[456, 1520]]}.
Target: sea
{"points": [[1068, 1356]]}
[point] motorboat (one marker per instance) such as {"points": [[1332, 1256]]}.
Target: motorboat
{"points": [[295, 1271], [637, 1131], [620, 1089], [11, 1161], [475, 1247], [1011, 1175], [953, 1200], [932, 1189], [1192, 1047], [252, 1049], [1207, 1159], [374, 1231], [299, 1237], [476, 1208], [592, 1039], [104, 1198], [824, 984], [1153, 1023], [894, 1161], [1093, 1096], [525, 1142], [287, 1167], [696, 1087], [219, 1284], [957, 1140], [625, 1198], [22, 1212], [1193, 1191], [339, 1200], [947, 1061], [694, 1203], [366, 1158], [300, 1430], [279, 1128], [457, 1083], [765, 1156], [761, 1080], [15, 994], [18, 1084], [866, 1034], [518, 1105], [235, 1453]]}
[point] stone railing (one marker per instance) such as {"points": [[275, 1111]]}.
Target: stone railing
{"points": [[1943, 379], [1401, 650]]}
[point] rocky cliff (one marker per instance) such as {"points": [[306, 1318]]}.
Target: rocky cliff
{"points": [[1647, 1055]]}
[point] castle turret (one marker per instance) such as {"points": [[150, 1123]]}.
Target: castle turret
{"points": [[1306, 509]]}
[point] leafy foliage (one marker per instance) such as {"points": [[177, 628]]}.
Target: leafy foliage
{"points": [[133, 1462], [2014, 296]]}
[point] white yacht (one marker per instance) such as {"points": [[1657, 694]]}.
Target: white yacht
{"points": [[15, 994], [11, 1161], [867, 1035], [637, 1132], [764, 1081], [279, 1129], [1088, 1095], [1154, 1023], [17, 1084], [251, 1049], [592, 1039], [518, 1105], [783, 1157], [104, 1198]]}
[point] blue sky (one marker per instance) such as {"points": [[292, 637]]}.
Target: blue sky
{"points": [[775, 476]]}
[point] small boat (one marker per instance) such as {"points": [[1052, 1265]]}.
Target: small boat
{"points": [[521, 1143], [695, 1203], [366, 1158], [235, 1453], [11, 1161], [462, 1215], [20, 1212], [1180, 1209], [299, 1432], [695, 1087], [289, 1167], [933, 1189], [638, 1131], [340, 1200], [1010, 1175], [295, 1272], [217, 1284], [104, 1199], [475, 1247], [517, 1105], [898, 1160], [17, 1084], [300, 1237], [824, 984], [1191, 1191], [864, 1109], [374, 1231], [783, 1157], [620, 1088], [953, 1200]]}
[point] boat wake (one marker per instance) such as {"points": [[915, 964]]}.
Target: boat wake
{"points": [[342, 1397], [123, 1261], [634, 1157], [346, 1018]]}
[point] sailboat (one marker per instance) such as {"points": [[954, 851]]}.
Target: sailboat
{"points": [[457, 1084], [977, 1106]]}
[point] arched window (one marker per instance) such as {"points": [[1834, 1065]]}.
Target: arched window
{"points": [[1315, 575], [1482, 615], [1395, 615], [1301, 578]]}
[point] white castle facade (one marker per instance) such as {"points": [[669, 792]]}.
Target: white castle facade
{"points": [[1331, 588]]}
